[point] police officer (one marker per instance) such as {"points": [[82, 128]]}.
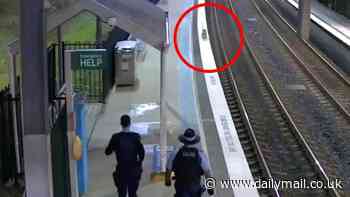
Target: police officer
{"points": [[130, 153], [189, 163]]}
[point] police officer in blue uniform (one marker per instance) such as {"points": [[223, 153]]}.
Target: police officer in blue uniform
{"points": [[130, 154], [189, 163]]}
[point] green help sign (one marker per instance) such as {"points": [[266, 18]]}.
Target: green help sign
{"points": [[88, 59]]}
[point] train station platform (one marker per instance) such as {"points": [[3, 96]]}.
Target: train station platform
{"points": [[204, 102], [334, 23], [187, 98], [330, 30], [141, 102]]}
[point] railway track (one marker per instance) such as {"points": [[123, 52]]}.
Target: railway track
{"points": [[324, 74], [329, 87], [281, 153], [250, 145]]}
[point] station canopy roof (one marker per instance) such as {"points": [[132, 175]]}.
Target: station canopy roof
{"points": [[141, 18]]}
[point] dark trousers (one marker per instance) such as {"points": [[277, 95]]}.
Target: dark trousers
{"points": [[188, 190], [128, 186], [127, 181]]}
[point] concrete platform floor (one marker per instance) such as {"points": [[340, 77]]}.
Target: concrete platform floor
{"points": [[142, 104]]}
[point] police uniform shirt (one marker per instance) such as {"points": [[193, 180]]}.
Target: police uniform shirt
{"points": [[204, 159], [127, 147]]}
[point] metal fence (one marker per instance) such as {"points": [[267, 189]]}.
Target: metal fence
{"points": [[60, 156], [58, 120], [91, 83], [56, 78], [11, 131], [8, 162], [11, 164]]}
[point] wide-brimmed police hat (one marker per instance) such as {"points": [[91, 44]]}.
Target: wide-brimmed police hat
{"points": [[189, 137]]}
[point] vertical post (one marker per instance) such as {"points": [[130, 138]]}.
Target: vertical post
{"points": [[59, 52], [59, 34], [36, 140], [304, 13], [60, 56], [13, 88], [163, 118], [98, 29], [70, 124]]}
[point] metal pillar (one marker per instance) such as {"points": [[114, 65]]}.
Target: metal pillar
{"points": [[59, 42], [60, 55], [163, 118], [36, 140], [304, 15], [71, 124], [98, 29], [163, 105], [59, 34], [13, 88]]}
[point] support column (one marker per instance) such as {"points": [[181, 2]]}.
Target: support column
{"points": [[59, 42], [163, 105], [98, 29], [59, 34], [304, 15], [163, 118], [13, 88], [60, 55], [37, 151]]}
